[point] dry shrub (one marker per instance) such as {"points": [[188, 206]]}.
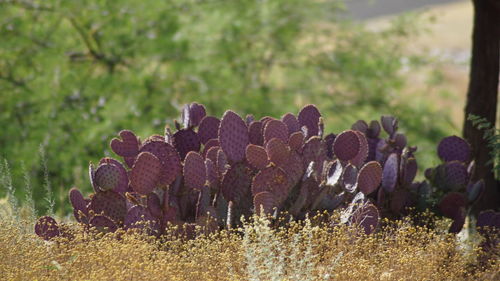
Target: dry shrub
{"points": [[301, 251]]}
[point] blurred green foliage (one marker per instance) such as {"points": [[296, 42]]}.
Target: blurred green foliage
{"points": [[74, 73]]}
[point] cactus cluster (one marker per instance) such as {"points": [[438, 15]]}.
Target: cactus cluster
{"points": [[451, 182], [210, 172]]}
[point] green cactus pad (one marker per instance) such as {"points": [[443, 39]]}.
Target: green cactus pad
{"points": [[194, 171], [145, 173], [369, 177], [233, 136], [257, 156]]}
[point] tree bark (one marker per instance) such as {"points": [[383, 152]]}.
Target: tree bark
{"points": [[482, 95]]}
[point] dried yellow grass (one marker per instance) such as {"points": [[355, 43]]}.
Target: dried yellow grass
{"points": [[299, 252]]}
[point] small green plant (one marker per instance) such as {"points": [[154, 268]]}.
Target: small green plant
{"points": [[492, 136]]}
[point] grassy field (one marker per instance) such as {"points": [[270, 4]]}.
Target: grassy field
{"points": [[306, 251]]}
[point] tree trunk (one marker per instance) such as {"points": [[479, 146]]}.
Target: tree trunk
{"points": [[482, 94]]}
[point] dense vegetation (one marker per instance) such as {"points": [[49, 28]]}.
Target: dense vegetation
{"points": [[305, 251], [73, 74]]}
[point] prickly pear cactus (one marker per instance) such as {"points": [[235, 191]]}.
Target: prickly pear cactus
{"points": [[208, 172]]}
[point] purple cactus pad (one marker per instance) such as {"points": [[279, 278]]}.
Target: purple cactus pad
{"points": [[334, 173], [145, 173], [389, 123], [208, 129], [291, 123], [103, 223], [390, 173], [347, 145], [128, 146], [186, 140], [272, 179], [192, 114], [212, 153], [79, 204], [211, 172], [454, 148], [349, 178], [47, 228], [108, 177], [265, 203], [194, 171], [369, 177], [109, 204], [360, 126], [309, 116], [456, 174], [233, 136], [360, 158], [255, 133], [314, 150], [123, 182], [257, 156], [169, 160], [296, 141], [275, 129], [277, 151], [410, 170], [451, 203], [211, 143], [236, 182], [329, 140]]}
